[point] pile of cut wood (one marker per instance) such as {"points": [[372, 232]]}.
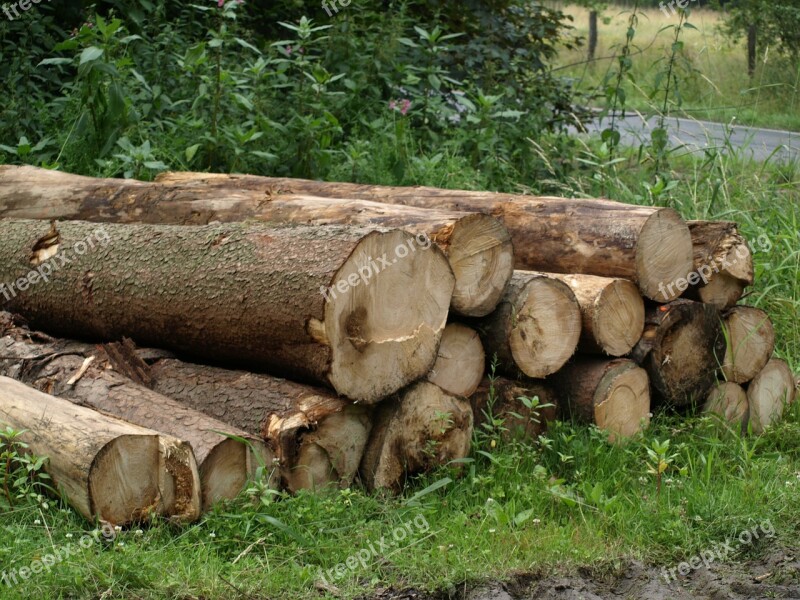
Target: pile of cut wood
{"points": [[163, 341]]}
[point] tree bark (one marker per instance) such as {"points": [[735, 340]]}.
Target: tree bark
{"points": [[750, 341], [423, 429], [723, 264], [613, 394], [649, 246], [752, 37], [287, 300], [460, 362], [225, 464], [317, 438], [535, 328], [612, 311], [682, 348], [592, 44], [769, 394], [728, 400], [518, 409], [106, 468]]}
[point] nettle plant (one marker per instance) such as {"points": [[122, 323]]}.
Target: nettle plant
{"points": [[22, 478]]}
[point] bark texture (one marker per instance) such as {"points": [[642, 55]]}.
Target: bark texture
{"points": [[106, 468], [682, 349], [478, 246], [422, 429], [317, 438], [612, 394], [294, 301], [650, 246]]}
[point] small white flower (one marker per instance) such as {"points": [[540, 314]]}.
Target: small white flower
{"points": [[69, 535], [138, 532], [37, 522], [117, 528], [536, 521], [212, 535], [491, 531], [120, 543]]}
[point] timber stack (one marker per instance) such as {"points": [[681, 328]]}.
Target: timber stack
{"points": [[208, 328]]}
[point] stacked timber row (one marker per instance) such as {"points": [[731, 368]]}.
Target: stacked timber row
{"points": [[323, 333]]}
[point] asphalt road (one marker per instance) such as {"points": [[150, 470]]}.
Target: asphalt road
{"points": [[696, 136]]}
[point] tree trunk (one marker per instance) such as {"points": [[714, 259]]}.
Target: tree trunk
{"points": [[649, 246], [728, 400], [750, 342], [612, 394], [50, 365], [769, 394], [592, 45], [682, 348], [317, 438], [516, 409], [478, 247], [752, 38], [275, 298], [423, 429], [612, 311], [723, 264], [536, 327], [106, 468], [460, 363]]}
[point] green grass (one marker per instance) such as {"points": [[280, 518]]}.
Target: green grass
{"points": [[712, 69], [567, 500]]}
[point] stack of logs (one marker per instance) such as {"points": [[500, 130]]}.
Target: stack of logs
{"points": [[323, 331]]}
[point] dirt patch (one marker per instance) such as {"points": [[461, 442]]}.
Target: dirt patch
{"points": [[774, 575]]}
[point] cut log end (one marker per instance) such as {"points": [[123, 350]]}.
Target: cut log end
{"points": [[546, 328], [228, 467], [482, 258], [384, 330], [723, 291], [460, 362], [663, 255], [769, 394], [750, 343], [124, 484], [728, 400], [622, 402]]}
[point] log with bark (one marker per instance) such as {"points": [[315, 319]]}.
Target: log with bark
{"points": [[612, 310], [84, 375], [105, 468], [518, 409], [317, 438], [424, 428], [650, 246], [535, 328], [728, 400], [338, 305], [682, 349], [750, 341], [461, 361], [723, 263], [772, 390], [612, 394], [478, 246]]}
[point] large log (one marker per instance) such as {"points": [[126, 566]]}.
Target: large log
{"points": [[612, 310], [650, 246], [750, 341], [768, 395], [289, 300], [517, 409], [317, 438], [106, 468], [422, 429], [535, 328], [682, 349], [225, 464], [728, 400], [613, 394], [723, 263], [461, 361], [477, 246]]}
